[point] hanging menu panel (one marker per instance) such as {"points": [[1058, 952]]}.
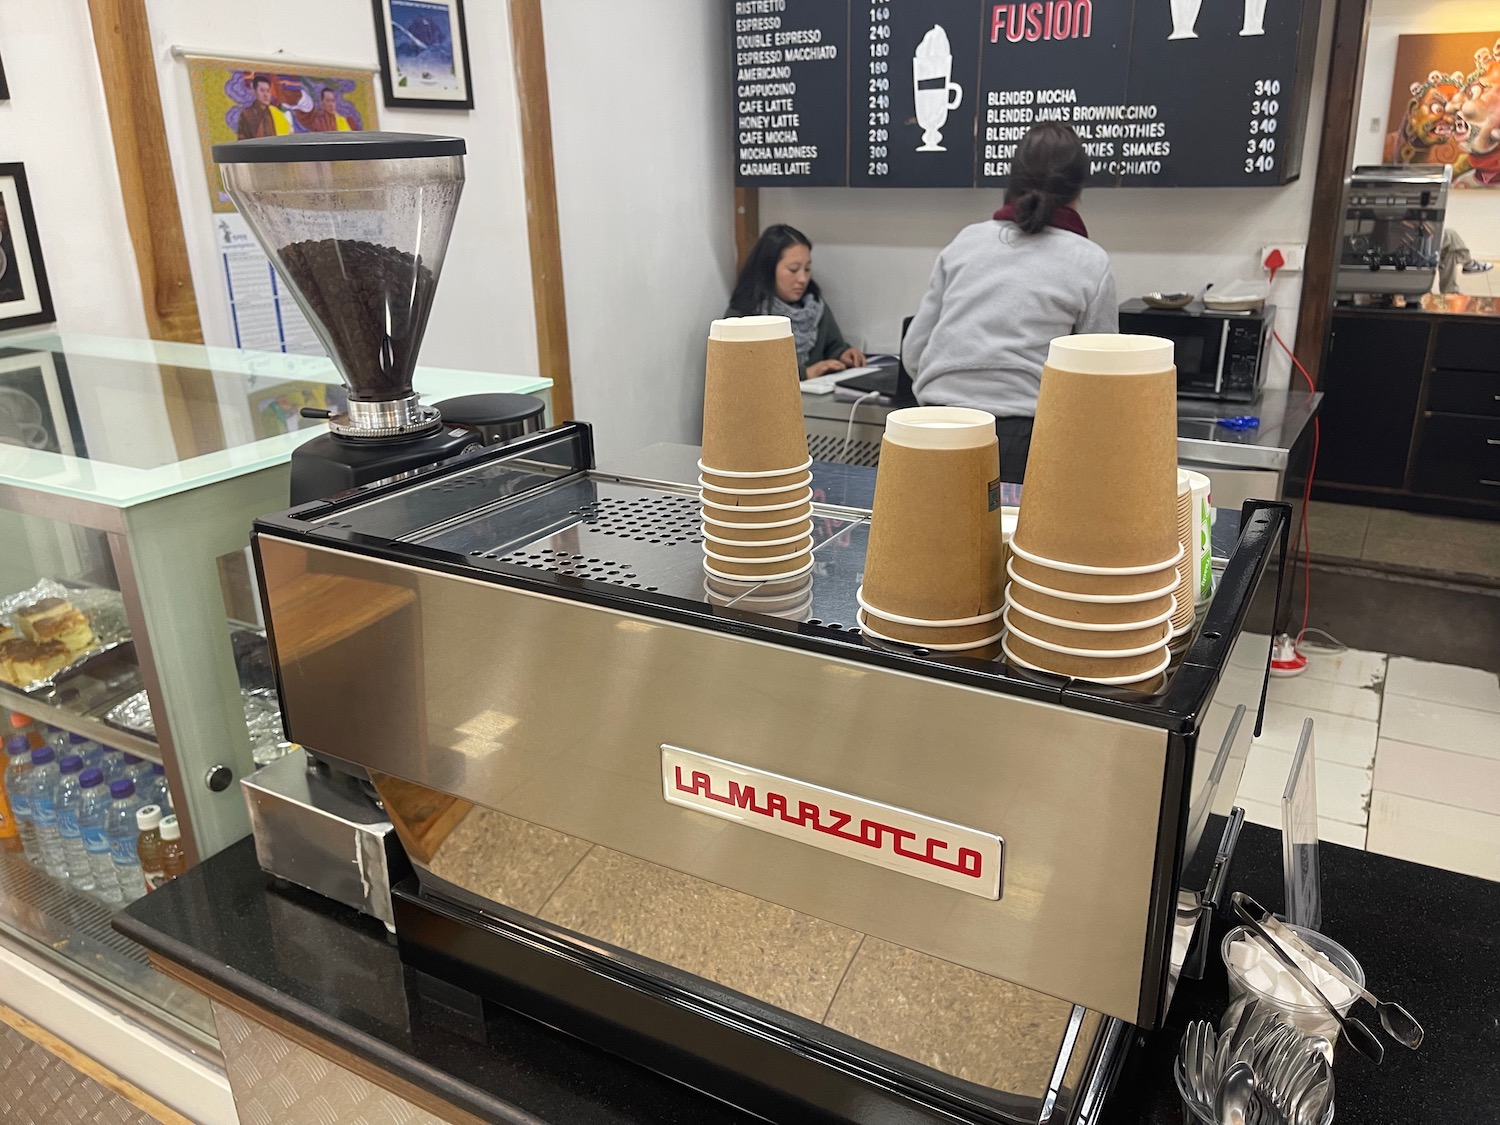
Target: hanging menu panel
{"points": [[1063, 60], [913, 75], [791, 91]]}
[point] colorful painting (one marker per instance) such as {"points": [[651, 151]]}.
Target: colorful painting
{"points": [[1445, 105], [237, 100], [424, 53]]}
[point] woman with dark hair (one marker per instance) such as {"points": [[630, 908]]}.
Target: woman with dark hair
{"points": [[777, 280], [1004, 289]]}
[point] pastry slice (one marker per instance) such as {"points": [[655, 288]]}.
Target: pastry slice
{"points": [[24, 662], [69, 628], [29, 617], [6, 632]]}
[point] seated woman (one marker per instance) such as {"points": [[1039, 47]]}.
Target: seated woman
{"points": [[1004, 289], [777, 280]]}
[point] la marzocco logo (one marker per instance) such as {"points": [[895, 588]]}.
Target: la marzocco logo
{"points": [[898, 839]]}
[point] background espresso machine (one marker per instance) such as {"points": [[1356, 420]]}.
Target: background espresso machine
{"points": [[720, 832], [1393, 230], [357, 225]]}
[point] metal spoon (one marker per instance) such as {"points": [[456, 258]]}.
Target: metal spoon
{"points": [[1236, 1093]]}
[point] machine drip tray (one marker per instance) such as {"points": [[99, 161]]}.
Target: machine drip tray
{"points": [[723, 1043]]}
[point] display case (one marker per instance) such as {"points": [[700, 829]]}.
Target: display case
{"points": [[130, 473]]}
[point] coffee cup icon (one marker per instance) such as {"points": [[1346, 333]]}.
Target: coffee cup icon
{"points": [[1185, 19], [935, 92]]}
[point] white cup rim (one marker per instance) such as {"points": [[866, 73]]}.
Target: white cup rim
{"points": [[702, 468], [1104, 599], [807, 519], [1107, 681], [967, 646], [760, 561], [1095, 626], [940, 427], [1101, 653], [920, 622], [758, 579], [1080, 568], [804, 483], [759, 508], [703, 529]]}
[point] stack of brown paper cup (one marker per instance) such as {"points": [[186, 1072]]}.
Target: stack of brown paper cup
{"points": [[932, 570], [1094, 562], [755, 479]]}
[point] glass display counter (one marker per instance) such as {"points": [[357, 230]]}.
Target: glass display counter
{"points": [[130, 472]]}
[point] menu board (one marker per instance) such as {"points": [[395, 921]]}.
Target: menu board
{"points": [[938, 93]]}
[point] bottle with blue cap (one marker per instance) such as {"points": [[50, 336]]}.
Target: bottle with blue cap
{"points": [[93, 807], [18, 793], [41, 785], [86, 748], [155, 791], [69, 799], [119, 823]]}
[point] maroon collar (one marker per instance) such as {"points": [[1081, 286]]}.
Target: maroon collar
{"points": [[1064, 218]]}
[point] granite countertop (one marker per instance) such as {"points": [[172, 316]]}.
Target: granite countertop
{"points": [[1428, 938], [1474, 308]]}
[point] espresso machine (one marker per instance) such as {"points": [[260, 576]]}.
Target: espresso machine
{"points": [[722, 833], [1393, 231], [357, 226]]}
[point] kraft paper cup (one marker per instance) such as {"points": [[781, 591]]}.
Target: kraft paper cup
{"points": [[717, 548], [1203, 566], [983, 628], [1094, 667], [778, 532], [1078, 580], [737, 495], [739, 570], [1094, 613], [773, 480], [1035, 621], [1101, 475], [798, 505], [752, 404], [1066, 639], [934, 547], [937, 640]]}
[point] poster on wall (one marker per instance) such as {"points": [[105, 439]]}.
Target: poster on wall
{"points": [[424, 54], [4, 88], [236, 99], [1445, 105], [25, 298], [37, 407]]}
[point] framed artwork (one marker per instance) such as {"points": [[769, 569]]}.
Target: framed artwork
{"points": [[1445, 105], [24, 297], [424, 54], [4, 89], [37, 407]]}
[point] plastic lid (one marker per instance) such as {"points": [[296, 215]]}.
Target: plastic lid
{"points": [[122, 787], [42, 755], [940, 427], [302, 148], [71, 764], [147, 817], [17, 744], [1111, 353], [91, 777], [157, 769], [19, 720], [77, 739], [130, 759], [742, 328], [170, 829]]}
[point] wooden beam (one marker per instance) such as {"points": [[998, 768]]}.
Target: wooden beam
{"points": [[122, 40], [746, 223], [543, 230], [1351, 22]]}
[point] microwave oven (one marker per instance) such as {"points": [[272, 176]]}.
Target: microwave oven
{"points": [[1220, 355]]}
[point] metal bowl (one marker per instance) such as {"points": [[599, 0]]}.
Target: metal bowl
{"points": [[1168, 300]]}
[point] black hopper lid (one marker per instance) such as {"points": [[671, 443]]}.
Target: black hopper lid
{"points": [[298, 148]]}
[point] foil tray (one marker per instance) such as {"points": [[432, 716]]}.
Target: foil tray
{"points": [[262, 720]]}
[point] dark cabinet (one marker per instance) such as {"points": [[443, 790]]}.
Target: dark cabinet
{"points": [[1459, 457], [1465, 392], [1372, 385], [1468, 347]]}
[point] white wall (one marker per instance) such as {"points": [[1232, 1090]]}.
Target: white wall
{"points": [[874, 248], [482, 318], [56, 125], [640, 130], [1474, 214]]}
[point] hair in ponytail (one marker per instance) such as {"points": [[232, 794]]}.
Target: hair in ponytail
{"points": [[1047, 173]]}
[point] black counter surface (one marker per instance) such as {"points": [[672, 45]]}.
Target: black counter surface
{"points": [[1428, 938]]}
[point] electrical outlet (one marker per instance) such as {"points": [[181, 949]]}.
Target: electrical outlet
{"points": [[1293, 253]]}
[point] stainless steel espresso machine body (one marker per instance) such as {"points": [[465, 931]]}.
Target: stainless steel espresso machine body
{"points": [[1393, 230], [718, 831]]}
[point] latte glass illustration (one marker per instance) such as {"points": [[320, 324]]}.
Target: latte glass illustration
{"points": [[1255, 18], [1185, 19], [935, 91]]}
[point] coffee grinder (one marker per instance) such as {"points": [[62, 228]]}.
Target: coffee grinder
{"points": [[357, 225]]}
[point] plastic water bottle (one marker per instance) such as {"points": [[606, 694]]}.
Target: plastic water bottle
{"points": [[92, 808], [138, 770], [69, 799], [18, 792], [155, 791], [119, 823], [86, 748], [112, 762], [42, 786]]}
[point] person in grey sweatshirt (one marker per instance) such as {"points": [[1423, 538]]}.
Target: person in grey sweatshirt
{"points": [[1004, 289]]}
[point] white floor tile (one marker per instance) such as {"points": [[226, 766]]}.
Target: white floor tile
{"points": [[1444, 683], [1343, 791], [1442, 776], [1336, 831], [1354, 666], [1326, 695], [1422, 723], [1437, 835], [1336, 738], [1252, 651]]}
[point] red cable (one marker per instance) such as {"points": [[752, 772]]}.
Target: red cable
{"points": [[1306, 495]]}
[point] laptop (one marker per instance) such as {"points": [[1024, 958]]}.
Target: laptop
{"points": [[892, 383]]}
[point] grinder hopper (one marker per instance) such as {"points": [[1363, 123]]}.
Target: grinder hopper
{"points": [[357, 224]]}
